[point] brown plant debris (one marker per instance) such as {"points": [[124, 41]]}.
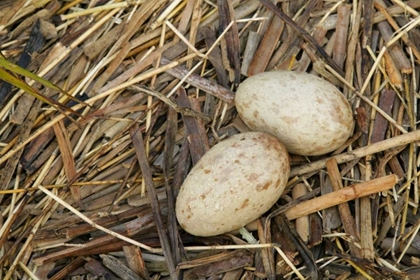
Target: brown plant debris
{"points": [[89, 193]]}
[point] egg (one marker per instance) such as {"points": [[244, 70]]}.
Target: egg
{"points": [[234, 183], [306, 113]]}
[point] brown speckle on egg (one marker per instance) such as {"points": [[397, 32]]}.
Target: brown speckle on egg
{"points": [[245, 203], [307, 114], [252, 172], [262, 187]]}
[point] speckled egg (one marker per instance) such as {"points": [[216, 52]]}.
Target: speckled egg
{"points": [[306, 113], [234, 183]]}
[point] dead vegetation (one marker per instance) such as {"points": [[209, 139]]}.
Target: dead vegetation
{"points": [[90, 193]]}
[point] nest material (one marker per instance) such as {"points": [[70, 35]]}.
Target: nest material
{"points": [[91, 192]]}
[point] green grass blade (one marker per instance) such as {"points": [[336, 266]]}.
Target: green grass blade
{"points": [[22, 71], [9, 78]]}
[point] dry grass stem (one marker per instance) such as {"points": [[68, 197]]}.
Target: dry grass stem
{"points": [[95, 10], [86, 219], [384, 145]]}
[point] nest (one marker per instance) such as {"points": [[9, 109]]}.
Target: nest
{"points": [[132, 95]]}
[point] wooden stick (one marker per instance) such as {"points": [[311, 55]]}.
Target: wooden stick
{"points": [[116, 266], [302, 223], [387, 144], [347, 218], [352, 43], [302, 33], [79, 261], [8, 170], [343, 195], [135, 261], [230, 41], [63, 140], [340, 46], [266, 47], [138, 143], [198, 81]]}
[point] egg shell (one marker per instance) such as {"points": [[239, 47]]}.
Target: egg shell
{"points": [[234, 183], [306, 113]]}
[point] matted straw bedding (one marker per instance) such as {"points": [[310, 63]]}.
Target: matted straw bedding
{"points": [[90, 193]]}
